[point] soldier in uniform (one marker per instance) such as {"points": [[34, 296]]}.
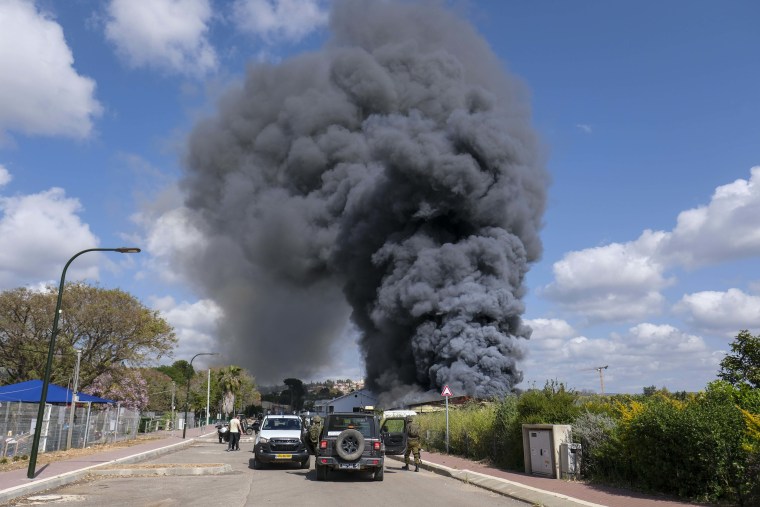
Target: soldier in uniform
{"points": [[312, 435], [412, 444]]}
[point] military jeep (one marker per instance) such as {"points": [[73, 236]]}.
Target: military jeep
{"points": [[350, 442]]}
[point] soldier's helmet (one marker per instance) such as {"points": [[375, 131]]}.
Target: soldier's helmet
{"points": [[316, 419]]}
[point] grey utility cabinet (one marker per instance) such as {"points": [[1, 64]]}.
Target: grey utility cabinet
{"points": [[541, 448]]}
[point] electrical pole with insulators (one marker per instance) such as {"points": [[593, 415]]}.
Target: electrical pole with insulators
{"points": [[74, 399], [601, 369]]}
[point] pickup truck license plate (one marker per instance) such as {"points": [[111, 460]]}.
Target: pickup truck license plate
{"points": [[283, 456], [349, 466]]}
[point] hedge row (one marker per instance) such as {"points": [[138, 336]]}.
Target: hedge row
{"points": [[702, 447]]}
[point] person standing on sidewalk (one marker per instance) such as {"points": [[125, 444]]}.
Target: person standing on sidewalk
{"points": [[235, 429], [412, 444]]}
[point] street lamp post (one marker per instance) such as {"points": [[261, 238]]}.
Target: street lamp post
{"points": [[208, 394], [51, 350], [187, 394]]}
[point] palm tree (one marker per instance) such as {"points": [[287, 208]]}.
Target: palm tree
{"points": [[230, 381]]}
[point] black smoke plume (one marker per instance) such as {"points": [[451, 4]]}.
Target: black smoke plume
{"points": [[395, 170]]}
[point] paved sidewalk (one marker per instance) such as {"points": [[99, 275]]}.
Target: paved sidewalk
{"points": [[15, 483], [538, 490]]}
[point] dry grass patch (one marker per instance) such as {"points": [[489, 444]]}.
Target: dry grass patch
{"points": [[50, 457]]}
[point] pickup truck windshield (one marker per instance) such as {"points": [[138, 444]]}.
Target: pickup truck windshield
{"points": [[281, 424], [363, 424]]}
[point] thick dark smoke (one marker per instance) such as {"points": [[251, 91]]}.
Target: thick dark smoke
{"points": [[395, 170]]}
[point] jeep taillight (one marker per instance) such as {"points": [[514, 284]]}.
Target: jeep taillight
{"points": [[376, 446], [323, 444]]}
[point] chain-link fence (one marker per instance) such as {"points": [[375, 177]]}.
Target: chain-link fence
{"points": [[92, 424], [167, 421]]}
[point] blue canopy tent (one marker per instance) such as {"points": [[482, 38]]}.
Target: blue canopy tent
{"points": [[31, 392]]}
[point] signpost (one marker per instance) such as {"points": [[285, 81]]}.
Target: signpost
{"points": [[446, 393]]}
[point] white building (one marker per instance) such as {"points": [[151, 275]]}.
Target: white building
{"points": [[350, 402]]}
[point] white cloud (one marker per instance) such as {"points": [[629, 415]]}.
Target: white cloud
{"points": [[165, 34], [725, 312], [548, 334], [550, 329], [647, 354], [40, 92], [554, 344], [39, 232], [195, 325], [168, 234], [725, 229], [622, 281], [273, 20], [584, 128], [5, 176]]}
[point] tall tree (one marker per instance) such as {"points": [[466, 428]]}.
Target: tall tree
{"points": [[110, 326], [233, 388], [179, 371], [230, 381], [123, 385], [742, 366], [297, 393], [160, 388]]}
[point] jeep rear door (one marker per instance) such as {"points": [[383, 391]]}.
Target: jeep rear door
{"points": [[393, 434]]}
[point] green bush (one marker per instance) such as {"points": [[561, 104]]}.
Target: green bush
{"points": [[552, 405], [508, 446], [595, 432], [690, 448], [703, 447], [658, 443], [470, 430]]}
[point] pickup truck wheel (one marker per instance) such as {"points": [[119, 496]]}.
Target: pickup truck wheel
{"points": [[379, 474], [349, 445]]}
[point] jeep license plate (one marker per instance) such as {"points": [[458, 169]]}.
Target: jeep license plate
{"points": [[349, 466], [283, 456]]}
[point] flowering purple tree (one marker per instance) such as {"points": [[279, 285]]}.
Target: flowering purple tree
{"points": [[125, 385]]}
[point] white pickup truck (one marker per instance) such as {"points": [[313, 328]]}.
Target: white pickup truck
{"points": [[279, 441]]}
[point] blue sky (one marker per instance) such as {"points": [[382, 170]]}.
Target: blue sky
{"points": [[648, 113]]}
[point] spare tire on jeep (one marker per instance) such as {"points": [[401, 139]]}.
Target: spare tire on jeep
{"points": [[349, 445]]}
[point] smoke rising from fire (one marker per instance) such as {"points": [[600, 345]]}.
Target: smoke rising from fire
{"points": [[392, 176]]}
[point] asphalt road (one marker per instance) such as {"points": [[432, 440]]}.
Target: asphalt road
{"points": [[275, 486]]}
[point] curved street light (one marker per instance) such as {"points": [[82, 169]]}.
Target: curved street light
{"points": [[51, 350], [187, 393]]}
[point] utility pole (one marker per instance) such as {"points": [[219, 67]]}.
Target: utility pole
{"points": [[601, 369], [174, 421], [74, 398]]}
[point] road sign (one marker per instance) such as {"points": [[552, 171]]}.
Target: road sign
{"points": [[446, 391]]}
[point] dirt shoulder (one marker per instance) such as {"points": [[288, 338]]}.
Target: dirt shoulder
{"points": [[48, 457]]}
